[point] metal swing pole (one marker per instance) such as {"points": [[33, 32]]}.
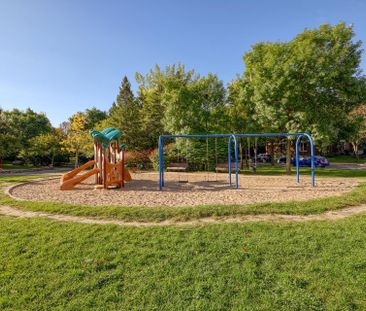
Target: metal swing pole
{"points": [[207, 162], [255, 154], [161, 162], [216, 158]]}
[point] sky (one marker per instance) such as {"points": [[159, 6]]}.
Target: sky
{"points": [[61, 57]]}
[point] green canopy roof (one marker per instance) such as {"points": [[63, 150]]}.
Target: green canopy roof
{"points": [[106, 136]]}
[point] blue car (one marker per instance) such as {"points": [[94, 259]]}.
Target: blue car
{"points": [[319, 161]]}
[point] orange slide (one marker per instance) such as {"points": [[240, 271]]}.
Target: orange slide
{"points": [[70, 179]]}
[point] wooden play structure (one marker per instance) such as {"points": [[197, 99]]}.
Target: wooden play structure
{"points": [[108, 164]]}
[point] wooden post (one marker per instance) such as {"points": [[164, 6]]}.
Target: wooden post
{"points": [[101, 163], [123, 168], [104, 171], [96, 161]]}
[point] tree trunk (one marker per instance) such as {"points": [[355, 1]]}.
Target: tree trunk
{"points": [[355, 150], [52, 158], [77, 158], [246, 156], [288, 157], [272, 153], [241, 155]]}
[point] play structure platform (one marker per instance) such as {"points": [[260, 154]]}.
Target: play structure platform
{"points": [[108, 164]]}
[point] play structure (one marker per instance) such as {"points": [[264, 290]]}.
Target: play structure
{"points": [[108, 164], [232, 138], [109, 169]]}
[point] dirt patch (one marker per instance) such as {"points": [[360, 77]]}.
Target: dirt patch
{"points": [[202, 189]]}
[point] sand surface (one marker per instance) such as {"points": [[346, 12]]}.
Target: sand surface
{"points": [[143, 190]]}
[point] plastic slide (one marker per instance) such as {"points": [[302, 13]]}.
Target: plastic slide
{"points": [[71, 179]]}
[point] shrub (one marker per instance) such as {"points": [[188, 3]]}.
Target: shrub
{"points": [[137, 159], [169, 156]]}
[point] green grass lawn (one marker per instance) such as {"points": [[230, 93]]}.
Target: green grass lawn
{"points": [[306, 171], [347, 159], [11, 166], [47, 265], [254, 266]]}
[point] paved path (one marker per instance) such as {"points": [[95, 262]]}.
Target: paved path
{"points": [[35, 172], [331, 215]]}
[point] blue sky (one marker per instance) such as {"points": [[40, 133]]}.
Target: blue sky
{"points": [[60, 57]]}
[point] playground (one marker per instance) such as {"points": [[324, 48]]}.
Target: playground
{"points": [[105, 180], [143, 190]]}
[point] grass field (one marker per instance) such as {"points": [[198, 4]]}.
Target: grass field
{"points": [[347, 159], [322, 172], [11, 166], [61, 266], [48, 265]]}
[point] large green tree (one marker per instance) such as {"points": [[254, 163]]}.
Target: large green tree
{"points": [[9, 142], [195, 105], [44, 148], [125, 116], [307, 84], [94, 116], [17, 128], [355, 128], [151, 89]]}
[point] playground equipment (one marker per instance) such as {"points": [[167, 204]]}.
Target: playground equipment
{"points": [[109, 168], [180, 166], [207, 136], [233, 138]]}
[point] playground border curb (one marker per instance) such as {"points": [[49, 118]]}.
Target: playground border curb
{"points": [[8, 190]]}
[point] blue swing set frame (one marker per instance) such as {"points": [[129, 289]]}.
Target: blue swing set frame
{"points": [[233, 138]]}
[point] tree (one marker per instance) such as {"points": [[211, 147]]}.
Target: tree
{"points": [[175, 100], [307, 84], [44, 147], [19, 127], [240, 111], [29, 124], [78, 140], [149, 97], [125, 116], [356, 128], [93, 116], [9, 143]]}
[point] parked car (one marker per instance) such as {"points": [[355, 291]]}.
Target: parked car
{"points": [[263, 158], [319, 161], [281, 160]]}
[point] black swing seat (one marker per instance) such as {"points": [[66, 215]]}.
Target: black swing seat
{"points": [[224, 167], [177, 167]]}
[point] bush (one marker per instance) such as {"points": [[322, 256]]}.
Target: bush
{"points": [[169, 156], [18, 162], [195, 152], [137, 159]]}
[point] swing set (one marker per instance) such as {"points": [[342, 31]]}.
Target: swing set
{"points": [[183, 167]]}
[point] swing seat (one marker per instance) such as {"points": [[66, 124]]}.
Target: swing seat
{"points": [[177, 167], [224, 167]]}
